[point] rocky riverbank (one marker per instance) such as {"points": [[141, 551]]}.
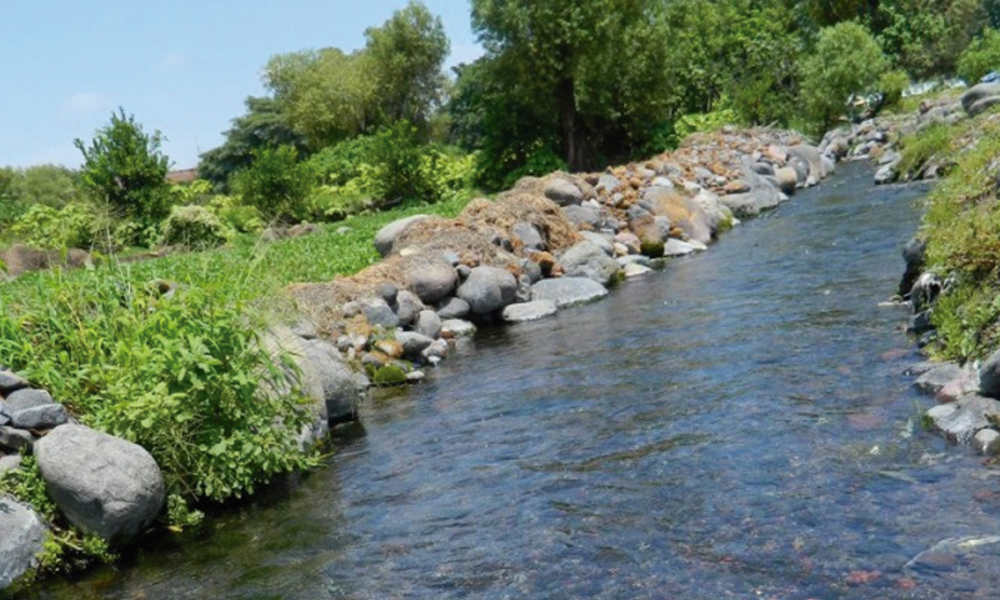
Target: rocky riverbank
{"points": [[548, 244]]}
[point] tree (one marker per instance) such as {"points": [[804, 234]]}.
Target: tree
{"points": [[405, 56], [594, 67], [845, 61], [263, 125], [125, 167], [276, 183], [981, 57], [51, 185]]}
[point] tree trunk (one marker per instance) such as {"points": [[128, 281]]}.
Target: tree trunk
{"points": [[574, 136]]}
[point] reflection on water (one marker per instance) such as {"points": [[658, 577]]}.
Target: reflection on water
{"points": [[736, 426]]}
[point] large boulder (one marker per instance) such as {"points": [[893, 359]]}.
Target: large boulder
{"points": [[433, 281], [583, 216], [10, 381], [963, 419], [811, 156], [568, 291], [684, 212], [102, 484], [977, 93], [587, 259], [23, 539], [563, 192], [529, 311], [488, 289], [989, 376], [386, 237], [343, 387]]}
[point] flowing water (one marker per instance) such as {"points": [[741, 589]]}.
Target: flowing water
{"points": [[735, 426]]}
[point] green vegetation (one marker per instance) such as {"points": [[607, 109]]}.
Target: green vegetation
{"points": [[981, 56]]}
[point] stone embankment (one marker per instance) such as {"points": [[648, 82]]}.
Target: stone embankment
{"points": [[968, 409], [548, 244]]}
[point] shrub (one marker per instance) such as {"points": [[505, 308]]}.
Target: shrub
{"points": [[338, 164], [276, 183], [712, 121], [196, 227], [846, 60], [76, 225], [892, 84], [395, 166], [124, 167], [179, 374], [236, 216], [980, 57]]}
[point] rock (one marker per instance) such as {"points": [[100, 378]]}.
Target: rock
{"points": [[408, 307], [563, 192], [428, 324], [587, 259], [608, 183], [750, 204], [961, 420], [433, 282], [987, 442], [683, 212], [633, 270], [23, 539], [583, 216], [838, 147], [11, 381], [967, 383], [11, 462], [437, 350], [379, 314], [914, 254], [305, 329], [600, 240], [342, 387], [458, 327], [568, 291], [386, 237], [938, 376], [26, 398], [40, 417], [102, 484], [811, 156], [989, 376], [674, 247], [14, 440], [920, 323], [529, 311], [454, 308], [977, 93], [983, 104], [388, 292], [886, 174], [829, 166], [787, 179], [925, 291], [413, 343], [528, 235], [488, 289]]}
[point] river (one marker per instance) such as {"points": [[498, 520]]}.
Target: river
{"points": [[738, 425]]}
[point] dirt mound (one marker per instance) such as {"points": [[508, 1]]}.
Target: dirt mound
{"points": [[517, 206], [474, 243], [20, 259]]}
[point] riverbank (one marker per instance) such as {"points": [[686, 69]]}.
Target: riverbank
{"points": [[548, 244]]}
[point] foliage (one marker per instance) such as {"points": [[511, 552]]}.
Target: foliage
{"points": [[395, 165], [980, 57], [920, 147], [76, 225], [179, 374], [276, 183], [846, 60], [336, 165], [892, 84], [404, 56], [700, 123], [198, 191], [264, 125], [196, 227], [51, 185], [124, 167], [924, 38], [236, 216], [11, 203]]}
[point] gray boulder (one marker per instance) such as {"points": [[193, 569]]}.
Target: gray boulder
{"points": [[587, 259], [568, 291], [675, 247], [342, 387], [528, 235], [811, 156], [454, 308], [963, 419], [563, 192], [582, 215], [887, 174], [488, 289], [937, 376], [25, 399], [529, 311], [428, 324], [408, 307], [386, 237], [433, 282], [608, 183], [977, 93], [601, 240], [787, 179], [40, 417], [102, 484], [989, 376], [379, 313], [983, 103], [14, 440], [23, 539], [413, 343], [10, 381], [458, 327]]}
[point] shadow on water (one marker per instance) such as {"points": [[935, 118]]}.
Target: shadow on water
{"points": [[735, 426]]}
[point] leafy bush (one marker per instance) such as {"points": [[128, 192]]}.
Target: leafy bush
{"points": [[846, 60], [196, 227], [198, 191], [76, 225], [920, 147], [395, 168], [892, 84], [179, 374], [276, 184], [124, 167], [705, 122], [980, 57], [330, 203], [338, 164], [236, 216]]}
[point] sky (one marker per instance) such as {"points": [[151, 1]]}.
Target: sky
{"points": [[182, 67]]}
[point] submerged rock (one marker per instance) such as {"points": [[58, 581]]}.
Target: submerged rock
{"points": [[568, 291], [961, 420], [23, 539], [529, 311]]}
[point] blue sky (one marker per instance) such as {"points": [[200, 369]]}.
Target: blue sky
{"points": [[182, 67]]}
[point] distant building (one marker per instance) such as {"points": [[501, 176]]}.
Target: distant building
{"points": [[182, 176]]}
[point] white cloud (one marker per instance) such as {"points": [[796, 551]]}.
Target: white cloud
{"points": [[83, 103]]}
